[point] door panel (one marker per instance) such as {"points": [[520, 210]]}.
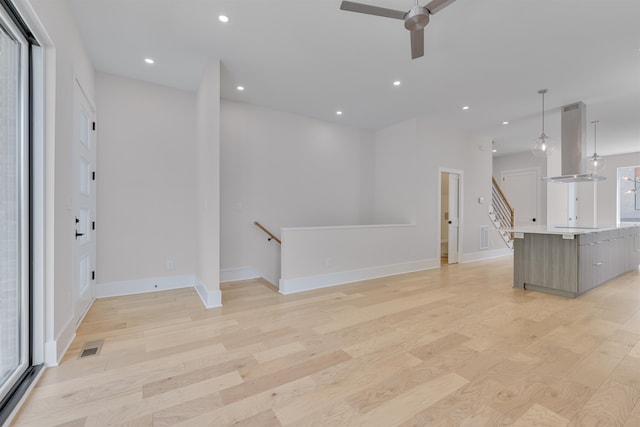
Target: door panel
{"points": [[521, 189], [84, 204], [454, 220]]}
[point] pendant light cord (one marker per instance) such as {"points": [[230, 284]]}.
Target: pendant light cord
{"points": [[542, 92], [543, 113]]}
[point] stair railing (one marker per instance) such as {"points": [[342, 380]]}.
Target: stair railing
{"points": [[270, 234], [502, 210]]}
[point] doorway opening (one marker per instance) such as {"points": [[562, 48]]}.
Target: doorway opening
{"points": [[629, 194], [450, 216]]}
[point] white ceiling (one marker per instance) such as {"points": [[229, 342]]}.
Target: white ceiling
{"points": [[309, 57]]}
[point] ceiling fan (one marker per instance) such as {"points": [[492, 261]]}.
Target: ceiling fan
{"points": [[414, 20]]}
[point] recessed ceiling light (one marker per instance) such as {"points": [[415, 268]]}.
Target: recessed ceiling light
{"points": [[223, 18], [494, 151], [240, 88], [396, 83], [339, 113], [149, 60], [505, 122], [466, 107]]}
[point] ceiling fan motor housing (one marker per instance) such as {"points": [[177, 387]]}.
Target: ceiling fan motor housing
{"points": [[416, 19]]}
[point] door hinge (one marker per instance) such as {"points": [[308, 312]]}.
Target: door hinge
{"points": [[93, 225], [93, 275], [94, 126], [93, 176]]}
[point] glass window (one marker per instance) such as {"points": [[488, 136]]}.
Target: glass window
{"points": [[14, 213]]}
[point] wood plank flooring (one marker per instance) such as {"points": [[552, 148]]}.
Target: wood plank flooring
{"points": [[452, 346]]}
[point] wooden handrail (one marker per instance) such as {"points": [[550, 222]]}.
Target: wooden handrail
{"points": [[270, 234], [506, 202]]}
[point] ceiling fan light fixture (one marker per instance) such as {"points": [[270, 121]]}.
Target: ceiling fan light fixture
{"points": [[543, 146]]}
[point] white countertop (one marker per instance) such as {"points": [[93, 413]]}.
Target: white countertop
{"points": [[552, 229]]}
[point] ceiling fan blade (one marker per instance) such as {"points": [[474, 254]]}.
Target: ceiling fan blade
{"points": [[435, 6], [417, 43], [372, 10]]}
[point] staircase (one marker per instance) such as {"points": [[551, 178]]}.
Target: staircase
{"points": [[501, 214]]}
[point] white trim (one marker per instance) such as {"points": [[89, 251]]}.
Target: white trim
{"points": [[56, 349], [481, 255], [236, 274], [301, 284], [210, 299], [132, 287], [342, 227]]}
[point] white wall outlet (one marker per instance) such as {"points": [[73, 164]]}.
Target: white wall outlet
{"points": [[170, 265], [328, 262]]}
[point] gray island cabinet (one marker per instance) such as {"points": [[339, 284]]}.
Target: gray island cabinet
{"points": [[571, 261]]}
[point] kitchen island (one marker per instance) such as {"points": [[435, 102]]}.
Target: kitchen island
{"points": [[570, 261]]}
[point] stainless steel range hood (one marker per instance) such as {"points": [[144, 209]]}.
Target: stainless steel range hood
{"points": [[574, 143]]}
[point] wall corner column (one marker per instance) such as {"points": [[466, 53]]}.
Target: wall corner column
{"points": [[208, 187]]}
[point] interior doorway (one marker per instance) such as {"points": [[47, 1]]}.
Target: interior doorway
{"points": [[450, 216], [629, 194]]}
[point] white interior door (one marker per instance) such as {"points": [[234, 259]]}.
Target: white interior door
{"points": [[454, 217], [83, 168], [521, 189]]}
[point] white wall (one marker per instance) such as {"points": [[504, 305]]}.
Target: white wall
{"points": [[396, 174], [285, 170], [325, 256], [146, 180], [435, 148], [525, 160], [66, 61], [208, 186]]}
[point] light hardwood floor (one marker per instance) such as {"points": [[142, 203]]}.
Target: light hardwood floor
{"points": [[452, 346]]}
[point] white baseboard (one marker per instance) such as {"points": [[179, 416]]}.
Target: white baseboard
{"points": [[236, 274], [291, 286], [479, 256], [132, 287], [54, 350], [210, 299]]}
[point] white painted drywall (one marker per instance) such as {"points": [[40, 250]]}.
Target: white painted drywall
{"points": [[525, 160], [396, 174], [416, 191], [286, 170], [325, 256], [208, 185], [67, 60], [146, 180]]}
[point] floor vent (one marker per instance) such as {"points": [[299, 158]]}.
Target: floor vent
{"points": [[91, 349]]}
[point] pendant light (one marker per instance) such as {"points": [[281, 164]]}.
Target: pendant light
{"points": [[595, 163], [542, 146]]}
